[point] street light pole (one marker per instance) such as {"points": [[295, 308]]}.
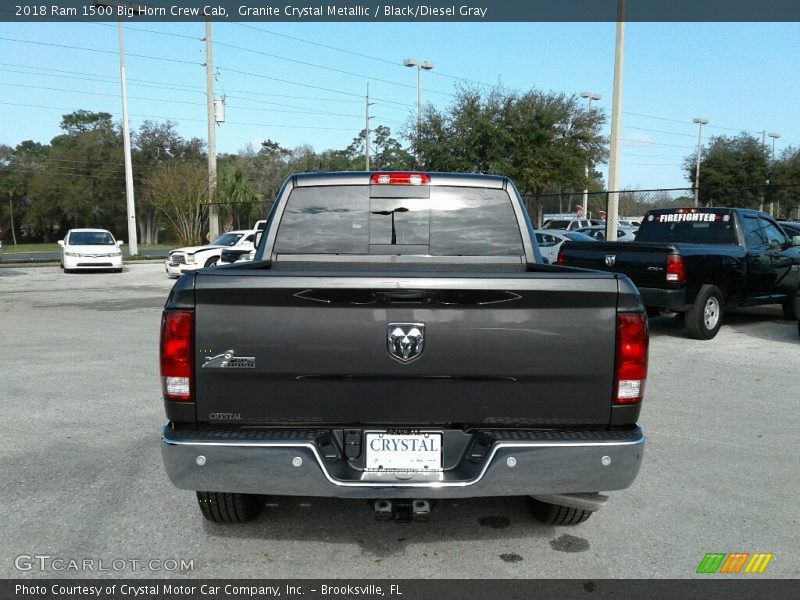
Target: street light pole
{"points": [[133, 242], [590, 96], [700, 122], [774, 137], [419, 64]]}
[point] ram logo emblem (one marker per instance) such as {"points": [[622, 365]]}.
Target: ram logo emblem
{"points": [[405, 341], [611, 260]]}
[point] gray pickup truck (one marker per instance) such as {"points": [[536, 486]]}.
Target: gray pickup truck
{"points": [[398, 339]]}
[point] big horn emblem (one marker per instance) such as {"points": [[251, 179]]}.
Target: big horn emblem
{"points": [[405, 341]]}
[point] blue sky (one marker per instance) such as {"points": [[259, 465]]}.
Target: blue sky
{"points": [[741, 76]]}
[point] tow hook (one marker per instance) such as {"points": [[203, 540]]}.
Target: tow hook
{"points": [[402, 511]]}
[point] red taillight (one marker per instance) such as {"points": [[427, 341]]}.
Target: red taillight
{"points": [[560, 257], [177, 351], [399, 179], [631, 367], [675, 271]]}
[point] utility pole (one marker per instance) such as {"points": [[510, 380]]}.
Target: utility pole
{"points": [[612, 215], [366, 130], [213, 218], [700, 122]]}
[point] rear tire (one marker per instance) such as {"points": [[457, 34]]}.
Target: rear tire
{"points": [[223, 507], [704, 319], [790, 309], [556, 514]]}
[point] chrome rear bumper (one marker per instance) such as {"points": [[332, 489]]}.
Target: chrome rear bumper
{"points": [[292, 463]]}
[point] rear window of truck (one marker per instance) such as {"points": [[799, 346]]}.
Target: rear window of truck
{"points": [[452, 221], [688, 226]]}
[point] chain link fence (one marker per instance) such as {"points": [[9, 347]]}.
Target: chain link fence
{"points": [[780, 201]]}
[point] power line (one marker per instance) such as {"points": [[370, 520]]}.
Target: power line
{"points": [[163, 58], [332, 69], [359, 54], [653, 143], [183, 102], [659, 131], [159, 84], [187, 119]]}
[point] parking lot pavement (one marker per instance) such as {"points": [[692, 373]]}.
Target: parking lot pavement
{"points": [[81, 474]]}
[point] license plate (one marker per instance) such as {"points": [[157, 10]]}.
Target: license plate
{"points": [[403, 451]]}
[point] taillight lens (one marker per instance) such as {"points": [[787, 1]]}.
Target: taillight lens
{"points": [[675, 269], [177, 352], [560, 257], [631, 367], [399, 179]]}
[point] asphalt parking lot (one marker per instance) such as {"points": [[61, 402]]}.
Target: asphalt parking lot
{"points": [[81, 474]]}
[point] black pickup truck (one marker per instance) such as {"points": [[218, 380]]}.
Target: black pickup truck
{"points": [[698, 262], [397, 338]]}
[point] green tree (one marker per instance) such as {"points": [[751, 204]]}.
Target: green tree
{"points": [[543, 141], [733, 171], [386, 153], [236, 196], [83, 175], [157, 144], [179, 189], [786, 181]]}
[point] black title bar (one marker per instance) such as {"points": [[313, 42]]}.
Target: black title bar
{"points": [[381, 11]]}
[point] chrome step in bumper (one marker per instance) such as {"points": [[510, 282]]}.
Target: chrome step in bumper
{"points": [[295, 463]]}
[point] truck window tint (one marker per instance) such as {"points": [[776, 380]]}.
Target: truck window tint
{"points": [[772, 232], [752, 231], [325, 220], [719, 232], [345, 220]]}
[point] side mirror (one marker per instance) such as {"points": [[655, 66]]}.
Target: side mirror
{"points": [[796, 240], [61, 242], [120, 242]]}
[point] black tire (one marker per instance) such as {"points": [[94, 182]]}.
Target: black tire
{"points": [[118, 270], [211, 261], [222, 507], [556, 514], [790, 308], [704, 319]]}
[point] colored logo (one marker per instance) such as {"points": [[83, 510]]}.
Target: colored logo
{"points": [[734, 562]]}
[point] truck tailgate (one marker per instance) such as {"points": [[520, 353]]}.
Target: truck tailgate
{"points": [[644, 263], [502, 349]]}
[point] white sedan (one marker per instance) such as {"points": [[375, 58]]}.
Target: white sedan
{"points": [[193, 258], [550, 240], [90, 249]]}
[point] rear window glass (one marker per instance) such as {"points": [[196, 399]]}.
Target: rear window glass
{"points": [[454, 221], [688, 227]]}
